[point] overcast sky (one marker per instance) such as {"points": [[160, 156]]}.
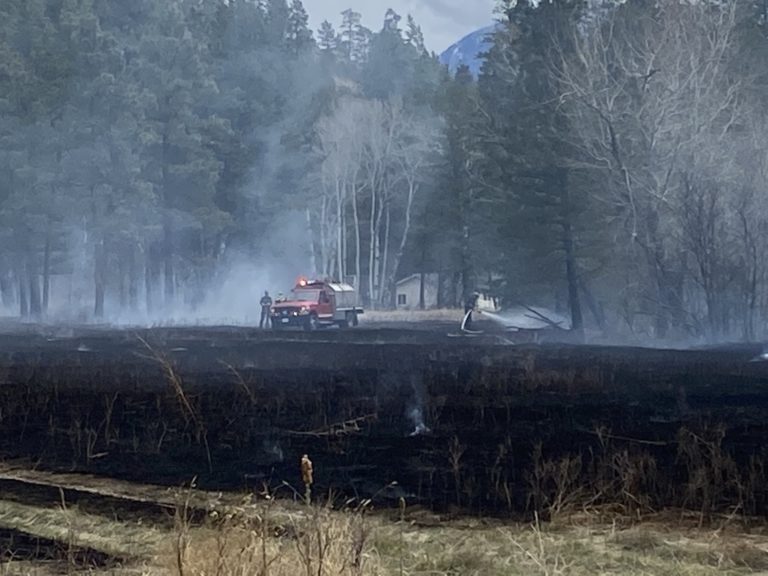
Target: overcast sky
{"points": [[443, 21]]}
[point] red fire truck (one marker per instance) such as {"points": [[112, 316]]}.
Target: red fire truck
{"points": [[318, 303]]}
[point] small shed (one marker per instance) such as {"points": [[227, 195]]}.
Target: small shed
{"points": [[409, 291]]}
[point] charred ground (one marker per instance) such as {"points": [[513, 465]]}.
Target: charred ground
{"points": [[501, 428]]}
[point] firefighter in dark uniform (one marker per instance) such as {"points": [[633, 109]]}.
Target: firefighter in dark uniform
{"points": [[266, 309], [470, 305]]}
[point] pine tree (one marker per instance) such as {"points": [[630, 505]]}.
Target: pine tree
{"points": [[298, 35], [354, 38], [396, 68], [392, 22], [414, 36], [40, 67], [242, 26], [526, 156], [178, 159], [453, 213], [328, 41], [277, 23]]}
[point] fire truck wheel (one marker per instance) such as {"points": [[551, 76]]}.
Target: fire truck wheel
{"points": [[350, 320], [311, 324]]}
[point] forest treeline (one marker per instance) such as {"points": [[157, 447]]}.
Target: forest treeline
{"points": [[610, 160]]}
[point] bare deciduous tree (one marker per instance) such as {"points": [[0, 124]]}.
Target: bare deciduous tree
{"points": [[373, 159], [652, 101]]}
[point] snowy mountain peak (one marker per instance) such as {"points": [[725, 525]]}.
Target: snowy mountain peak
{"points": [[468, 50]]}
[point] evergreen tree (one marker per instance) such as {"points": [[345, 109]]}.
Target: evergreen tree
{"points": [[178, 160], [298, 35], [354, 38], [277, 23], [328, 40], [453, 214], [40, 69], [528, 159], [397, 68], [392, 22], [241, 26], [414, 36]]}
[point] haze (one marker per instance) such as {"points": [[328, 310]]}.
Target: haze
{"points": [[170, 160]]}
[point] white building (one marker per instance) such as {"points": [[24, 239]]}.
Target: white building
{"points": [[409, 292], [487, 303]]}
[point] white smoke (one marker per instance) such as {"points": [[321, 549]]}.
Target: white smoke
{"points": [[521, 318], [416, 415], [415, 410]]}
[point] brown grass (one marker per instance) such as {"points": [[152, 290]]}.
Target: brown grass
{"points": [[263, 537], [407, 316], [274, 539]]}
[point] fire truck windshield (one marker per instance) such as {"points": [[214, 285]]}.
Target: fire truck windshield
{"points": [[305, 295]]}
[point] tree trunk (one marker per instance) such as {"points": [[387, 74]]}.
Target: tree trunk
{"points": [[98, 278], [168, 277], [6, 290], [35, 301], [572, 275], [422, 303], [312, 245], [23, 302], [47, 272], [412, 189], [149, 279], [385, 282], [133, 281], [123, 282], [456, 282], [441, 290], [377, 280], [356, 217], [323, 238], [339, 231], [167, 228], [467, 272], [594, 306], [372, 247], [574, 303]]}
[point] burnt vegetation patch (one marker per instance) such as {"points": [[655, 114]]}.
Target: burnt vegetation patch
{"points": [[51, 494], [17, 546], [479, 428]]}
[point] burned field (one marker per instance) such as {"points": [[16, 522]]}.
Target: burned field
{"points": [[473, 425]]}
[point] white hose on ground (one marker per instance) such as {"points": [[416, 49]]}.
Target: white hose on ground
{"points": [[464, 322]]}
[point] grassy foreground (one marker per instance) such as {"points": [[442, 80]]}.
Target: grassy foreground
{"points": [[325, 543], [273, 538]]}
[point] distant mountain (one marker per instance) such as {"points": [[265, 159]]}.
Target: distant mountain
{"points": [[468, 50]]}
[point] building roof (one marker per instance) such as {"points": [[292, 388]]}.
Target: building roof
{"points": [[412, 277], [341, 287]]}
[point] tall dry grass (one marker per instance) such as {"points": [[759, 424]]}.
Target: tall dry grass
{"points": [[313, 541]]}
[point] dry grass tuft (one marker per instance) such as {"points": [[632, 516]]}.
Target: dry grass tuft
{"points": [[315, 542], [637, 539]]}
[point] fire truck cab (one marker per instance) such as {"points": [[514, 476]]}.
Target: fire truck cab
{"points": [[314, 304]]}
